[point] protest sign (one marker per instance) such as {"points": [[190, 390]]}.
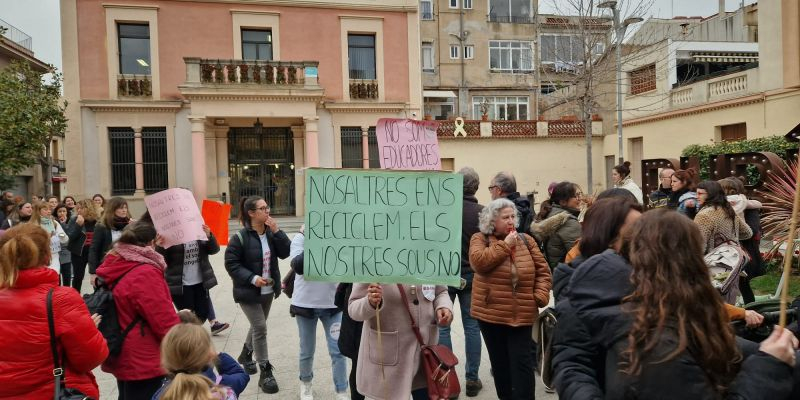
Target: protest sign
{"points": [[383, 226], [215, 215], [175, 216], [408, 144]]}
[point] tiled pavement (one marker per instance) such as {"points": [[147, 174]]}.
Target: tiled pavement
{"points": [[284, 347]]}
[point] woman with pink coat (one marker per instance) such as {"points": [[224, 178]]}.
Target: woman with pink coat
{"points": [[400, 360]]}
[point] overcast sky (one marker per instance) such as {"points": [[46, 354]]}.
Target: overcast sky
{"points": [[40, 19]]}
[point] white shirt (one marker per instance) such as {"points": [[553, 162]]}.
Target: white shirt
{"points": [[191, 264], [310, 294], [267, 258]]}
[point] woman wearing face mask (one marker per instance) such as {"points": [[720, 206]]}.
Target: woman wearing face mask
{"points": [[21, 214], [42, 216], [109, 229], [512, 281]]}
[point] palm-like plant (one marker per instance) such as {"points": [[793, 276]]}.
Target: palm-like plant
{"points": [[778, 201]]}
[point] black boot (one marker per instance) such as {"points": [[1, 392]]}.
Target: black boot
{"points": [[266, 381], [246, 359]]}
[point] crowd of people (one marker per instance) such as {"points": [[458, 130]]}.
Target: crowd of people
{"points": [[638, 315]]}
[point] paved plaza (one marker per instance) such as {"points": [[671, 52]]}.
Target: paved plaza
{"points": [[284, 345]]}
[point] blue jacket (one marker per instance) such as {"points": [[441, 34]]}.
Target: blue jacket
{"points": [[232, 376]]}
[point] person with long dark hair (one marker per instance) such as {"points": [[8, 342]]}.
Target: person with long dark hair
{"points": [[679, 345], [716, 218], [683, 197], [114, 219], [70, 203], [749, 210], [80, 230], [251, 260], [558, 227]]}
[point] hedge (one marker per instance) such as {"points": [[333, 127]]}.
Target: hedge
{"points": [[775, 144]]}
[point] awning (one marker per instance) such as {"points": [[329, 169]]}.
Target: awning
{"points": [[725, 57], [438, 93]]}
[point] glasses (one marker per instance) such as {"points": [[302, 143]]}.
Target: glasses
{"points": [[264, 209], [492, 187]]}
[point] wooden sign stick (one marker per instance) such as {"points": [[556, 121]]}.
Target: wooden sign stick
{"points": [[790, 244]]}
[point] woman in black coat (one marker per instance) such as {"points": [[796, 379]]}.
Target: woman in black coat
{"points": [[251, 260], [80, 230], [114, 219], [189, 273]]}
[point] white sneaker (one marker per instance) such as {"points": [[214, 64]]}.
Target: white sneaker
{"points": [[343, 395], [306, 393]]}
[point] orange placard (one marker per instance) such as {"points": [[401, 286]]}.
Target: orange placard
{"points": [[216, 216]]}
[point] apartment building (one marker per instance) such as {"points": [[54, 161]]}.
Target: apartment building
{"points": [[499, 55], [231, 98]]}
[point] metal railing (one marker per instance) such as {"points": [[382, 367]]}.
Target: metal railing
{"points": [[364, 89], [15, 35], [511, 19]]}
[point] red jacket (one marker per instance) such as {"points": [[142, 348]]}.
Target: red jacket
{"points": [[144, 292], [26, 361]]}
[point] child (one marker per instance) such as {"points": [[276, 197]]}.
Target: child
{"points": [[187, 355]]}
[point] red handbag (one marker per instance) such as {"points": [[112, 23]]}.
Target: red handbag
{"points": [[438, 360]]}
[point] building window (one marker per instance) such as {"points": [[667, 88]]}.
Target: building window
{"points": [[134, 49], [453, 3], [352, 147], [454, 51], [426, 9], [361, 56], [510, 56], [643, 79], [467, 4], [516, 11], [469, 52], [256, 44], [154, 157], [123, 161], [510, 108], [733, 132], [372, 138], [565, 51], [427, 57], [440, 108]]}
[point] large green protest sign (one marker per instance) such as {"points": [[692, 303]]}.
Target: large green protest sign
{"points": [[383, 226]]}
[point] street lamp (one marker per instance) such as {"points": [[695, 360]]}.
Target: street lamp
{"points": [[619, 33]]}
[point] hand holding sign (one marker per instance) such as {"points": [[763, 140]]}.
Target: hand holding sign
{"points": [[175, 216]]}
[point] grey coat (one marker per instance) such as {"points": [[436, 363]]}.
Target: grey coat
{"points": [[401, 351], [558, 232]]}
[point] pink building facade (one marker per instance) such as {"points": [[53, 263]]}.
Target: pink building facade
{"points": [[231, 98]]}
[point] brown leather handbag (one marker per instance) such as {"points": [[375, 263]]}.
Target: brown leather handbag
{"points": [[438, 360]]}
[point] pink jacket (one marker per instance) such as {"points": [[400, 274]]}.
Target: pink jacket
{"points": [[143, 292], [401, 352]]}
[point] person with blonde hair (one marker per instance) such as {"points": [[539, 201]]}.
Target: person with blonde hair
{"points": [[43, 216], [188, 357], [27, 285], [80, 230]]}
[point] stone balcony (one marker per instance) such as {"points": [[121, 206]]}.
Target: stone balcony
{"points": [[251, 76], [716, 89]]}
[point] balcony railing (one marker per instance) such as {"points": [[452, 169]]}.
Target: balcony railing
{"points": [[364, 89], [512, 19], [519, 129], [15, 35], [251, 72], [61, 165], [728, 86], [134, 86], [720, 88]]}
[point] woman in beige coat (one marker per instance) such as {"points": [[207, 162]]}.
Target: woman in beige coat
{"points": [[400, 360], [512, 281]]}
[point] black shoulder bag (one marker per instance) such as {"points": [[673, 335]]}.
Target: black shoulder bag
{"points": [[61, 391]]}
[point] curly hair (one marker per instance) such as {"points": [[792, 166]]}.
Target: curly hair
{"points": [[491, 211], [672, 292]]}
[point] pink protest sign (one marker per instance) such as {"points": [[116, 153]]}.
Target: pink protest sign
{"points": [[175, 216], [408, 144]]}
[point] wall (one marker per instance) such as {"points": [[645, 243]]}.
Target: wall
{"points": [[534, 162], [183, 34]]}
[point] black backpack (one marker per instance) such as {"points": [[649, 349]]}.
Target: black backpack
{"points": [[102, 302]]}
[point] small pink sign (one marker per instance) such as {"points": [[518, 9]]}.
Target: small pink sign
{"points": [[408, 144], [176, 216]]}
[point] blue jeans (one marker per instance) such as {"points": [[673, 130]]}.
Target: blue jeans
{"points": [[472, 332], [308, 341]]}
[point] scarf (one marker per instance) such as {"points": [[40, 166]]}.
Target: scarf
{"points": [[140, 254], [121, 223]]}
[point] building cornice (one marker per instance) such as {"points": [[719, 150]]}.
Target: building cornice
{"points": [[377, 6], [352, 107], [720, 105], [14, 51], [130, 6], [255, 12], [172, 106]]}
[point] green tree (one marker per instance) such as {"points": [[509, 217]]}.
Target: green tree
{"points": [[31, 114]]}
